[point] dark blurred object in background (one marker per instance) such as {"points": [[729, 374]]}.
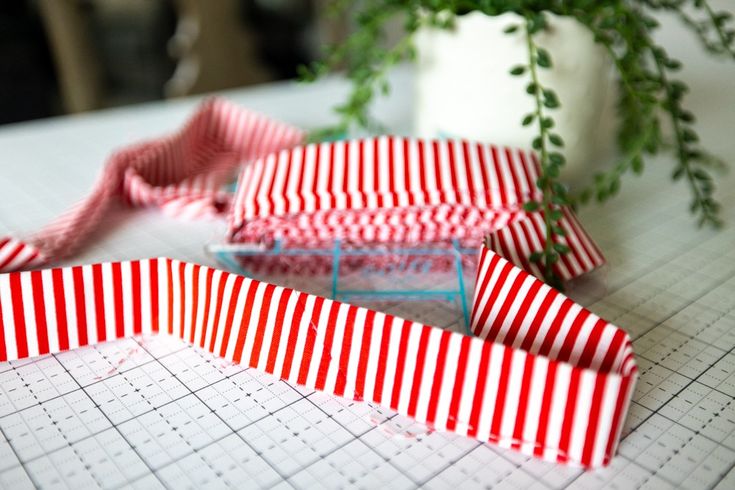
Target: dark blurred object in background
{"points": [[66, 56], [28, 88]]}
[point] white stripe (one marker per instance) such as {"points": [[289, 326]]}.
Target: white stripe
{"points": [[558, 407], [448, 380], [89, 305], [427, 379], [469, 387], [354, 354], [372, 365], [126, 276], [491, 392], [409, 369], [582, 414], [29, 314], [270, 326], [145, 297], [512, 397], [534, 405], [50, 306], [71, 308], [109, 296], [303, 332], [336, 352]]}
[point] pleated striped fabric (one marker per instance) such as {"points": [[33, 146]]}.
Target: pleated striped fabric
{"points": [[183, 174], [543, 376], [393, 190]]}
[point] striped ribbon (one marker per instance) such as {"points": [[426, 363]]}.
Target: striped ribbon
{"points": [[182, 174], [542, 375], [394, 190]]}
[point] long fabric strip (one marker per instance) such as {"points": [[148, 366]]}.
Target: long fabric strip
{"points": [[543, 375], [183, 174], [393, 190]]}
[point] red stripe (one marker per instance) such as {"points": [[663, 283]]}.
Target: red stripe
{"points": [[510, 298], [407, 178], [400, 364], [593, 341], [310, 339], [483, 172], [293, 335], [18, 248], [458, 383], [367, 336], [499, 175], [265, 308], [277, 329], [182, 298], [376, 173], [137, 310], [502, 393], [422, 171], [382, 359], [170, 280], [153, 268], [3, 350], [569, 412], [326, 359], [231, 306], [207, 302], [99, 302], [538, 318], [507, 267], [245, 321], [80, 306], [453, 170], [543, 422], [217, 311], [574, 330], [474, 425], [524, 311], [553, 329], [419, 371], [332, 185], [118, 299], [513, 174], [468, 168], [19, 317], [194, 301], [617, 419], [441, 359], [39, 307], [317, 198], [344, 357], [594, 419], [523, 399], [62, 326]]}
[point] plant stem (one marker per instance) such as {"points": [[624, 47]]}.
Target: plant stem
{"points": [[546, 188]]}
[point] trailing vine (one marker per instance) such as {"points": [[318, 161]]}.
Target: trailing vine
{"points": [[646, 77]]}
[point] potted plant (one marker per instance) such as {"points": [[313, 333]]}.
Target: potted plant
{"points": [[648, 92]]}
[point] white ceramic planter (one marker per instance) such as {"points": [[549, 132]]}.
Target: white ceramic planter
{"points": [[463, 87]]}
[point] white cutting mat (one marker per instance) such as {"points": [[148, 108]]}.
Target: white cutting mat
{"points": [[156, 413]]}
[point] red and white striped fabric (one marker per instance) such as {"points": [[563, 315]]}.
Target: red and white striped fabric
{"points": [[544, 376], [394, 190], [183, 174]]}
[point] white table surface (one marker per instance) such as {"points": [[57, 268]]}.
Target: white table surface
{"points": [[671, 285]]}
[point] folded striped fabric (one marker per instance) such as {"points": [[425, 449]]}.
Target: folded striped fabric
{"points": [[393, 190], [543, 375]]}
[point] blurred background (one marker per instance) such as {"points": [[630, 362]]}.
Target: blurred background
{"points": [[68, 56]]}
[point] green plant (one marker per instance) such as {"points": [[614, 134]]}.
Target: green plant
{"points": [[648, 88]]}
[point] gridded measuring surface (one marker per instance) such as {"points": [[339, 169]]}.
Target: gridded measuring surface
{"points": [[155, 413]]}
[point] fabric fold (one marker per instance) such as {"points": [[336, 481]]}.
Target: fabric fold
{"points": [[183, 174]]}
